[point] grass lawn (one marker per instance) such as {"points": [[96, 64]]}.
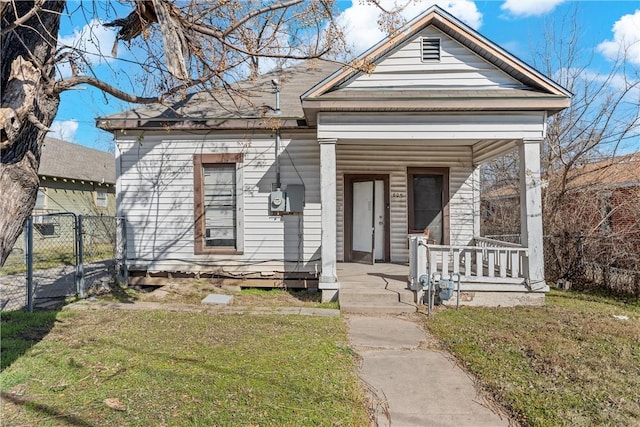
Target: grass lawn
{"points": [[160, 368], [568, 363]]}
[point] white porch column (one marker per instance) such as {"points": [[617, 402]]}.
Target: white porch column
{"points": [[531, 233], [328, 282]]}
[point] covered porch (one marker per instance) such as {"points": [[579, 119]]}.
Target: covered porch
{"points": [[491, 272]]}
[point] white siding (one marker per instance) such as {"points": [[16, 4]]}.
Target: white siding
{"points": [[156, 195], [394, 159], [458, 68], [463, 127]]}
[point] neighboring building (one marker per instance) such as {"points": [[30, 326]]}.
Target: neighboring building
{"points": [[75, 178], [364, 159], [605, 195]]}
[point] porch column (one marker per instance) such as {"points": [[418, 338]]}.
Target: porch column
{"points": [[531, 233], [328, 282]]}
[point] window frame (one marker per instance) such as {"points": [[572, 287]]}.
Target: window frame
{"points": [[199, 162], [446, 217], [422, 51], [106, 199]]}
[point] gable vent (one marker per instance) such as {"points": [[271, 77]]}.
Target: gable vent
{"points": [[430, 49]]}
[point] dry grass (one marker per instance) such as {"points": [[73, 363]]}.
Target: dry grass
{"points": [[160, 368], [192, 291], [569, 363]]}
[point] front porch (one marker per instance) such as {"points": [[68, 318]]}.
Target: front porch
{"points": [[491, 272]]}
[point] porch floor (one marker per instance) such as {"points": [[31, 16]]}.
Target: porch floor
{"points": [[379, 288]]}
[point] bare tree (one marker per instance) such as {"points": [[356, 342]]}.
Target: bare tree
{"points": [[603, 118], [190, 45]]}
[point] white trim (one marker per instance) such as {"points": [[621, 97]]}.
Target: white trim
{"points": [[329, 273], [531, 210]]}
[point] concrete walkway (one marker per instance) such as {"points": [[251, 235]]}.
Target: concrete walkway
{"points": [[411, 382]]}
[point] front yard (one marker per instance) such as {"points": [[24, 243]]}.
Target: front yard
{"points": [[168, 368], [575, 362]]}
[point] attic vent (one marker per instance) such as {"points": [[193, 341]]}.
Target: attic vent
{"points": [[430, 49]]}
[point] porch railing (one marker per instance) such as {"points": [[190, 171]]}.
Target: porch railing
{"points": [[489, 261]]}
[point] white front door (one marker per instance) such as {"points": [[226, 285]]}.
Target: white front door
{"points": [[368, 221]]}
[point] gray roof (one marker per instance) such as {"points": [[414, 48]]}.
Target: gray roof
{"points": [[63, 159], [247, 99], [313, 86]]}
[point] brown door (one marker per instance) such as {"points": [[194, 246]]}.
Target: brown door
{"points": [[428, 209]]}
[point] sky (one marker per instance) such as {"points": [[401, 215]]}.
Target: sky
{"points": [[515, 25]]}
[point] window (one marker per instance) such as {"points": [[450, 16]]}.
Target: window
{"points": [[217, 202], [101, 199], [427, 204], [430, 49], [41, 200]]}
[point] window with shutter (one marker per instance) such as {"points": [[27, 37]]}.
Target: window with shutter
{"points": [[430, 49]]}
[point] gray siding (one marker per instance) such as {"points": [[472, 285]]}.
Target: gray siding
{"points": [[394, 159], [155, 187], [458, 68]]}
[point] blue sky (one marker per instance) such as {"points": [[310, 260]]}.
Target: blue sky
{"points": [[516, 25]]}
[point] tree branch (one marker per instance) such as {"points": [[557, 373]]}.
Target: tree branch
{"points": [[70, 82], [24, 18], [258, 12]]}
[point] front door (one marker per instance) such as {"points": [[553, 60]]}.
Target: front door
{"points": [[428, 213], [367, 219]]}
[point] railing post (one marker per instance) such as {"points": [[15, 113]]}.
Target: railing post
{"points": [[28, 255], [421, 266]]}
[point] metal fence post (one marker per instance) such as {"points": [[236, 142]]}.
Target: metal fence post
{"points": [[28, 256], [79, 258], [121, 251]]}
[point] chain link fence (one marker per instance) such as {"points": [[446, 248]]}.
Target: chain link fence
{"points": [[606, 263], [61, 255]]}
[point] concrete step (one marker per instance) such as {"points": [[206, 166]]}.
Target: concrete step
{"points": [[365, 308], [379, 296], [376, 300]]}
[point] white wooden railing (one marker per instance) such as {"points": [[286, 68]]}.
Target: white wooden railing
{"points": [[489, 261]]}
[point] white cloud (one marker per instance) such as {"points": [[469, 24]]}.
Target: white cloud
{"points": [[65, 130], [626, 39], [360, 20], [530, 7], [94, 40]]}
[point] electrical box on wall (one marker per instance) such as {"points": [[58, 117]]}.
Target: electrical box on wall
{"points": [[295, 198], [277, 202]]}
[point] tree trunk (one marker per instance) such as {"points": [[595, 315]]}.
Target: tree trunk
{"points": [[28, 109]]}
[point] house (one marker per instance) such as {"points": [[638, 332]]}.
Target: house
{"points": [[75, 178], [603, 198], [316, 164]]}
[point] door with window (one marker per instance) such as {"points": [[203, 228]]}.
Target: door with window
{"points": [[367, 218], [428, 190]]}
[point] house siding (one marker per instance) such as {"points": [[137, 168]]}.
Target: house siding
{"points": [[63, 195], [155, 187], [354, 158], [465, 128], [458, 68]]}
